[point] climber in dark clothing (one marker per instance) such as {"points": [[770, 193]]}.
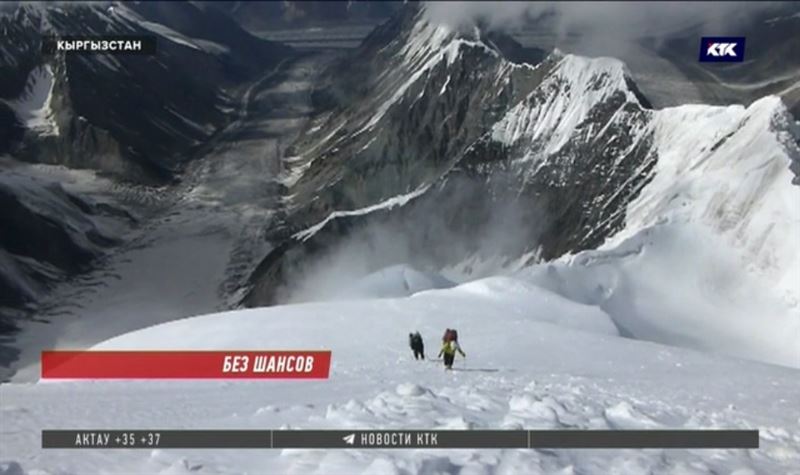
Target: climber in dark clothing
{"points": [[416, 344]]}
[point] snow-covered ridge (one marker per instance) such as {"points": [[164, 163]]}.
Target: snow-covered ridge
{"points": [[482, 304], [729, 169], [562, 101], [708, 255], [383, 205]]}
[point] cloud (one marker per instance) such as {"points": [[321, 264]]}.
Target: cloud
{"points": [[471, 227], [614, 20]]}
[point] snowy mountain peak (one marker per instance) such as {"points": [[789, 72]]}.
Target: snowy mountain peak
{"points": [[425, 38], [428, 38], [575, 86], [593, 74]]}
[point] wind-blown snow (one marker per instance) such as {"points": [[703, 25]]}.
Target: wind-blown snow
{"points": [[395, 281], [33, 106], [534, 361]]}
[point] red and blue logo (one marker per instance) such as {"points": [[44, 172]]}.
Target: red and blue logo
{"points": [[722, 49]]}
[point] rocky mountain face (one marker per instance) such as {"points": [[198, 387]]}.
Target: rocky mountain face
{"points": [[131, 119], [48, 233], [436, 144], [413, 102], [135, 117], [423, 115]]}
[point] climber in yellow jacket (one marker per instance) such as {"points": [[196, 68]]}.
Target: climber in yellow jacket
{"points": [[449, 348]]}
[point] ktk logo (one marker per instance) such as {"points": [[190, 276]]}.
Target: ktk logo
{"points": [[728, 49], [722, 49]]}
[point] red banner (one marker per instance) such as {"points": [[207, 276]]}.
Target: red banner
{"points": [[186, 364]]}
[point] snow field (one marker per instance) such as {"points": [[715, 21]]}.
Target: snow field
{"points": [[525, 368]]}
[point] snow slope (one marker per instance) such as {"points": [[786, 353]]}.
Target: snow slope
{"points": [[679, 285], [535, 360], [729, 169]]}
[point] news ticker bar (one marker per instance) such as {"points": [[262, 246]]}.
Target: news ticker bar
{"points": [[398, 439]]}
